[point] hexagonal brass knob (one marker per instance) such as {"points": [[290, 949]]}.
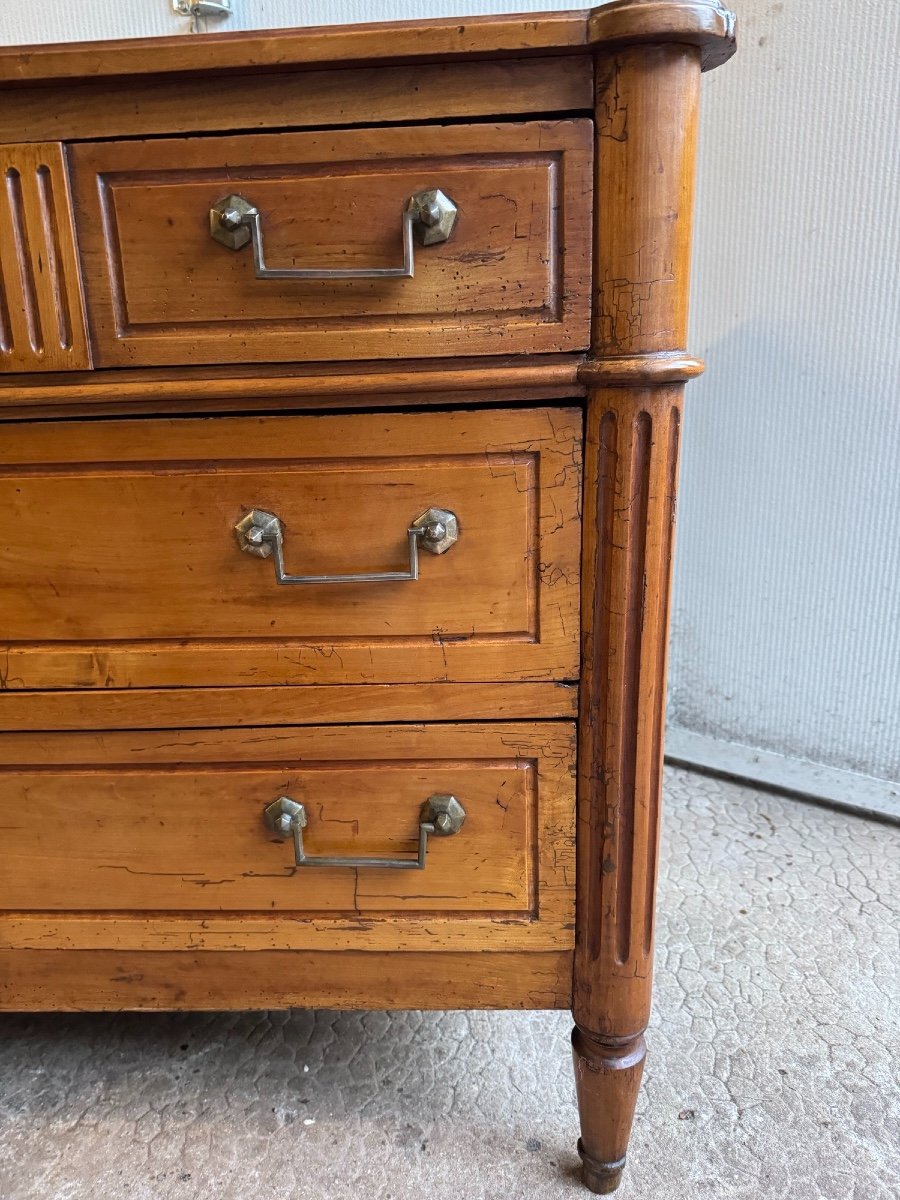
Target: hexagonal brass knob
{"points": [[257, 532], [434, 216], [227, 222], [445, 813], [440, 530]]}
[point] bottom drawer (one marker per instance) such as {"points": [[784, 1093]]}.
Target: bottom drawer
{"points": [[210, 838]]}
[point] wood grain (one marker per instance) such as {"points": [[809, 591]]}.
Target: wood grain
{"points": [[42, 321], [124, 625], [646, 245], [146, 511], [96, 981], [607, 1080], [285, 49], [633, 444], [512, 278], [704, 23], [646, 128], [299, 99], [160, 837], [196, 708], [418, 383]]}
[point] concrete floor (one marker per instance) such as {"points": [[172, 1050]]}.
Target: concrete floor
{"points": [[773, 1068]]}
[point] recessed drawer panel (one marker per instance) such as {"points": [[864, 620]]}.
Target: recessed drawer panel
{"points": [[470, 821], [409, 547], [500, 261]]}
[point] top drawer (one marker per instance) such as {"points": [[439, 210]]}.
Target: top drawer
{"points": [[513, 276]]}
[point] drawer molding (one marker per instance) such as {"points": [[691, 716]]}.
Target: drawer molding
{"points": [[112, 980], [315, 704], [141, 872], [513, 279], [184, 607]]}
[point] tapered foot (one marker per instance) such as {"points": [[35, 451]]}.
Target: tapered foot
{"points": [[607, 1080], [600, 1178]]}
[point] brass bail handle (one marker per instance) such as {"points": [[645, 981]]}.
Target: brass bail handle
{"points": [[440, 816], [261, 533], [430, 216]]}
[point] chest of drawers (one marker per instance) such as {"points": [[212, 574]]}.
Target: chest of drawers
{"points": [[340, 399]]}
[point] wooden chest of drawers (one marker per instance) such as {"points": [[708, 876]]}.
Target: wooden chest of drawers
{"points": [[340, 399]]}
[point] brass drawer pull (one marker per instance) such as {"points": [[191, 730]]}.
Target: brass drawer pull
{"points": [[441, 816], [261, 533], [234, 221]]}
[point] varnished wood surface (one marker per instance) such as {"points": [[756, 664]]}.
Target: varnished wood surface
{"points": [[632, 447], [96, 981], [281, 49], [42, 321], [137, 578], [607, 1082], [646, 129], [419, 384], [643, 266], [648, 56], [195, 708], [632, 452], [299, 99], [706, 23], [513, 276], [160, 837]]}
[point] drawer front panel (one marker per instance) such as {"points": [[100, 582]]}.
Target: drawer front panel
{"points": [[132, 574], [513, 277], [174, 822]]}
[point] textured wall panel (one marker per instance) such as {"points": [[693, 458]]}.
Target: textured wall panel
{"points": [[787, 596], [787, 602]]}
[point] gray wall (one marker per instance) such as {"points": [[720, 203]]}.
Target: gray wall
{"points": [[786, 630], [787, 599]]}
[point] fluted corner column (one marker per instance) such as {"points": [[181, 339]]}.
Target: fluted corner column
{"points": [[646, 119]]}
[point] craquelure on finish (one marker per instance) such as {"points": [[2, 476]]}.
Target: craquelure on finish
{"points": [[467, 749]]}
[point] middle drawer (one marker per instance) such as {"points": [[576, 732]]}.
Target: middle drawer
{"points": [[455, 537]]}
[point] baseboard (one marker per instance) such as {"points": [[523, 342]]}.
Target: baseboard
{"points": [[846, 790]]}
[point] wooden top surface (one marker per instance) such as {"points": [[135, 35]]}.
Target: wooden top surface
{"points": [[705, 23]]}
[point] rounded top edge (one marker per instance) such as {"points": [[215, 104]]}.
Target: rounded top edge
{"points": [[707, 24]]}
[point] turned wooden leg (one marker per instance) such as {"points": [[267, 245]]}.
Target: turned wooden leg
{"points": [[631, 463], [607, 1079], [646, 122]]}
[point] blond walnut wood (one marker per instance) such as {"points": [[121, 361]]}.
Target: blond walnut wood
{"points": [[641, 274], [646, 136], [150, 296], [132, 576], [198, 708], [512, 278], [42, 321], [632, 461], [705, 23], [362, 96], [58, 980], [608, 1079], [281, 49], [429, 383], [144, 824]]}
